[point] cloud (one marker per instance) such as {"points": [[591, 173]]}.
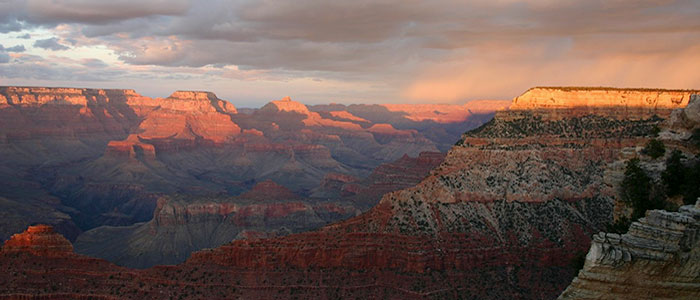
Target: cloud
{"points": [[99, 12], [16, 15], [5, 55], [356, 35], [16, 48], [487, 72], [437, 50], [94, 63], [25, 36], [50, 44], [35, 67]]}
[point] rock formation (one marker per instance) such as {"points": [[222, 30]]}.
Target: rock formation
{"points": [[403, 173], [286, 105], [447, 113], [623, 103], [39, 240], [658, 258], [182, 225], [685, 120], [81, 158]]}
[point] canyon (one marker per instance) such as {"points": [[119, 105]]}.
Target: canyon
{"points": [[183, 224], [503, 216], [99, 159]]}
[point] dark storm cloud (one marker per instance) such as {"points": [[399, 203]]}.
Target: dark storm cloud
{"points": [[50, 44], [364, 35], [343, 35]]}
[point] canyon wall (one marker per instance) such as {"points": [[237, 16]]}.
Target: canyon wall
{"points": [[658, 258], [623, 104], [184, 224]]}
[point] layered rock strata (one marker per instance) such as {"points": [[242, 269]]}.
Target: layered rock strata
{"points": [[624, 104], [658, 258], [39, 240]]}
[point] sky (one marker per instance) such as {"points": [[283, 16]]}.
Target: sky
{"points": [[382, 51]]}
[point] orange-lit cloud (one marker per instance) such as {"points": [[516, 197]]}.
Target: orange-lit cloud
{"points": [[495, 70]]}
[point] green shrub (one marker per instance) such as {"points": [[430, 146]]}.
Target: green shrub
{"points": [[654, 149], [674, 176], [620, 226], [695, 138], [578, 260], [681, 179], [691, 187], [655, 130], [637, 188]]}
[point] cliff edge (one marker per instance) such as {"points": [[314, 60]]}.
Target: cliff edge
{"points": [[621, 103], [658, 258]]}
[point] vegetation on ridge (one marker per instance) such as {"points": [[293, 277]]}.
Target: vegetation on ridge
{"points": [[654, 149]]}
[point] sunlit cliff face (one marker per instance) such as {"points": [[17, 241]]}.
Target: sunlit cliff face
{"points": [[352, 51]]}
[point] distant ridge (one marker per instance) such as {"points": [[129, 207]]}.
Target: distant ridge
{"points": [[607, 88]]}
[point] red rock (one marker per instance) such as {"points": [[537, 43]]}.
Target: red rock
{"points": [[131, 147], [448, 113], [270, 191], [344, 115], [285, 105], [253, 132], [39, 240]]}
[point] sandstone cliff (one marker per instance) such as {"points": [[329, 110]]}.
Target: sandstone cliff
{"points": [[658, 258], [627, 104]]}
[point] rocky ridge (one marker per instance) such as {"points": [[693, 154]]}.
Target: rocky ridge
{"points": [[658, 258], [626, 104]]}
